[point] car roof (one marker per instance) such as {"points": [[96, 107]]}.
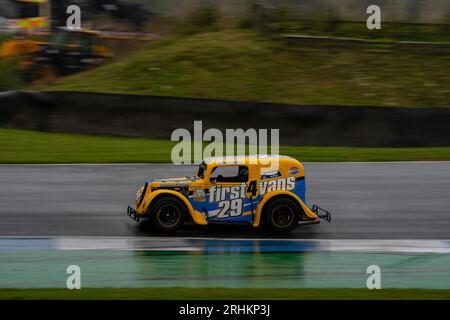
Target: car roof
{"points": [[246, 159]]}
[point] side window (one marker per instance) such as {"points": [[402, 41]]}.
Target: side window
{"points": [[229, 174], [270, 174]]}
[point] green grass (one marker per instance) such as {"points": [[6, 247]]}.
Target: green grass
{"points": [[19, 146], [243, 65], [221, 293], [10, 74], [390, 31]]}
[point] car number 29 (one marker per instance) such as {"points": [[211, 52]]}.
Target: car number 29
{"points": [[230, 208]]}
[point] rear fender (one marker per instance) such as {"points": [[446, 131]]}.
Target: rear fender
{"points": [[271, 195]]}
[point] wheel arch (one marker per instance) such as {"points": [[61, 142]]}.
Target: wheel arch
{"points": [[158, 194], [277, 195]]}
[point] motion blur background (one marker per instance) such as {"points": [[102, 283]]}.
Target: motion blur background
{"points": [[236, 50], [113, 92], [264, 54]]}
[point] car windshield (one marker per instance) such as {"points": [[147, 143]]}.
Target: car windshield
{"points": [[201, 170]]}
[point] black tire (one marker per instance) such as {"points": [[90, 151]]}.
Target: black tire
{"points": [[281, 215], [168, 214]]}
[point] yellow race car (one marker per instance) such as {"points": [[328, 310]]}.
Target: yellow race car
{"points": [[260, 190]]}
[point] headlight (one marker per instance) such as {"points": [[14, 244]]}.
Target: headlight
{"points": [[139, 193]]}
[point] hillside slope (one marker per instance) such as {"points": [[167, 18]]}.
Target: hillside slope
{"points": [[242, 65]]}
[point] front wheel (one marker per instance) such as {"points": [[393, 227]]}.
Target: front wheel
{"points": [[168, 214], [282, 215]]}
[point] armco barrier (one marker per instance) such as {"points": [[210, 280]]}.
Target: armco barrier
{"points": [[157, 117]]}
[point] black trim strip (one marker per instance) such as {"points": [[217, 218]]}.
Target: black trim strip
{"points": [[142, 195]]}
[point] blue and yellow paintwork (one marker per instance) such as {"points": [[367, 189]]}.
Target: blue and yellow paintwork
{"points": [[204, 211]]}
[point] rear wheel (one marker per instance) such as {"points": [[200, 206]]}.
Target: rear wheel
{"points": [[168, 214], [282, 215]]}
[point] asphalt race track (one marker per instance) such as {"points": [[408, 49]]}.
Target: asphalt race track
{"points": [[403, 200]]}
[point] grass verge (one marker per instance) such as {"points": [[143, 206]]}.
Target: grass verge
{"points": [[20, 146], [11, 77], [222, 293], [244, 65]]}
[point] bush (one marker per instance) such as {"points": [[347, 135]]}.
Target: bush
{"points": [[257, 16], [201, 20], [10, 74]]}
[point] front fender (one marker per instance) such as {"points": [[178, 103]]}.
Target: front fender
{"points": [[150, 196], [269, 196]]}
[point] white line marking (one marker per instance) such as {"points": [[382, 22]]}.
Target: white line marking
{"points": [[207, 238], [189, 244]]}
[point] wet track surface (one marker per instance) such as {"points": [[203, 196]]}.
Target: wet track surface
{"points": [[367, 200], [133, 262]]}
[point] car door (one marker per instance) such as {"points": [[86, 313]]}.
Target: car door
{"points": [[227, 198]]}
